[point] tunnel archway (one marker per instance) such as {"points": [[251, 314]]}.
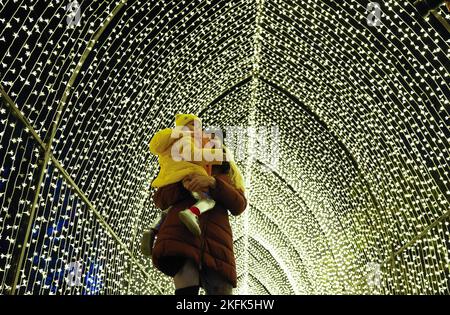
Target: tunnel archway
{"points": [[355, 187]]}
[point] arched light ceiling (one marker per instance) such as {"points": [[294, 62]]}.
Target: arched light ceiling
{"points": [[353, 196]]}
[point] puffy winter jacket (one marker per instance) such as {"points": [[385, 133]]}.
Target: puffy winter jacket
{"points": [[214, 248], [172, 171]]}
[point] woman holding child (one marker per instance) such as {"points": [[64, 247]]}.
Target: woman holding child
{"points": [[205, 260]]}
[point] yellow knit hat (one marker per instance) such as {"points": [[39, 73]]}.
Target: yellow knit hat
{"points": [[183, 119]]}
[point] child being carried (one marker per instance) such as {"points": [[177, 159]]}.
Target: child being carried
{"points": [[184, 151]]}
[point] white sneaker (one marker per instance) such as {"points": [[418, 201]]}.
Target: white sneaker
{"points": [[191, 221]]}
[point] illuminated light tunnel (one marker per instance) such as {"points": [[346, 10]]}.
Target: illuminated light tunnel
{"points": [[342, 132]]}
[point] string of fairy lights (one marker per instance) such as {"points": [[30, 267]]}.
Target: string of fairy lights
{"points": [[357, 200]]}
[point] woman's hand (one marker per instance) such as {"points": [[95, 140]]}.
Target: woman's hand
{"points": [[195, 182]]}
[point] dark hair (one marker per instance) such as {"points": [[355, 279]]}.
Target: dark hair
{"points": [[225, 167]]}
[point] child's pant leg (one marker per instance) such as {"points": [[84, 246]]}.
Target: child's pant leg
{"points": [[203, 204]]}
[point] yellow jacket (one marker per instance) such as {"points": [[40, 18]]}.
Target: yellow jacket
{"points": [[172, 171]]}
